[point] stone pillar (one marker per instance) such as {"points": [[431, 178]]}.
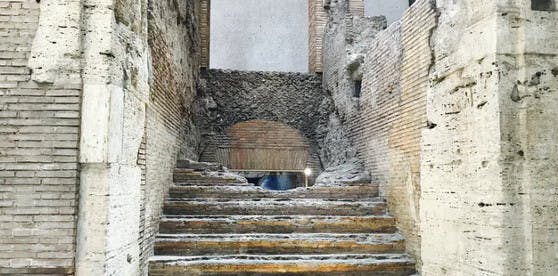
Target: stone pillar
{"points": [[115, 91], [489, 153]]}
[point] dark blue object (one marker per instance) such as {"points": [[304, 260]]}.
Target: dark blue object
{"points": [[278, 182]]}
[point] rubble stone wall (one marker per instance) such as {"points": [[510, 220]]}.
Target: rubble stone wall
{"points": [[230, 97]]}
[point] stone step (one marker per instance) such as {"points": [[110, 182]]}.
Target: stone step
{"points": [[211, 183], [276, 207], [301, 265], [294, 243], [242, 192], [276, 224], [190, 176]]}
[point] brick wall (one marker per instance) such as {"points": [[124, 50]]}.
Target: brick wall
{"points": [[39, 136], [391, 114], [205, 30], [384, 125], [317, 22], [262, 145], [175, 61]]}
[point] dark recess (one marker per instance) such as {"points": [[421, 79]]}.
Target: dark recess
{"points": [[358, 89], [543, 5]]}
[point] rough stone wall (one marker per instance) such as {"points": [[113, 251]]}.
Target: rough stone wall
{"points": [[230, 97], [487, 202], [39, 137], [346, 41], [175, 51]]}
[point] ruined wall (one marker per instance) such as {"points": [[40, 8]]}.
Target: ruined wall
{"points": [[487, 202], [346, 42], [39, 136], [384, 124], [393, 10], [230, 97], [175, 52]]}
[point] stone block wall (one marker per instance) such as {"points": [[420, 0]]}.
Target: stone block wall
{"points": [[39, 137], [487, 202]]}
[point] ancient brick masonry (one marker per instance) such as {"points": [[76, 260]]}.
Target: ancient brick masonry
{"points": [[458, 132], [39, 136], [388, 128]]}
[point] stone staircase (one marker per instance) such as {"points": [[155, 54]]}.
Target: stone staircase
{"points": [[217, 225]]}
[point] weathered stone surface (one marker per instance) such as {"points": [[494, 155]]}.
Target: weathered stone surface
{"points": [[199, 166], [310, 265], [317, 191], [276, 224], [271, 244], [289, 98], [40, 94], [275, 207], [488, 166], [216, 226]]}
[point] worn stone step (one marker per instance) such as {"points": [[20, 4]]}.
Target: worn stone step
{"points": [[294, 243], [276, 224], [242, 192], [301, 265], [212, 183], [275, 207], [189, 176]]}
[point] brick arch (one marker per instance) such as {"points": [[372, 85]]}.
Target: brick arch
{"points": [[262, 145]]}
